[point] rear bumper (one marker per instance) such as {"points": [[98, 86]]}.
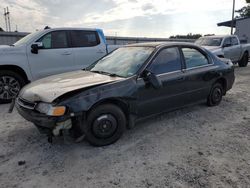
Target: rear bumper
{"points": [[230, 80]]}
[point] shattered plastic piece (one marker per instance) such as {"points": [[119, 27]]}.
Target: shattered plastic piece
{"points": [[20, 163]]}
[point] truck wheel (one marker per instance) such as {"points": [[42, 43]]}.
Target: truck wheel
{"points": [[215, 95], [105, 125], [244, 60], [10, 85]]}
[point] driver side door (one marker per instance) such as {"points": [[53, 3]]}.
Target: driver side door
{"points": [[167, 66]]}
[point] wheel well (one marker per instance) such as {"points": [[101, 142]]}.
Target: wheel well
{"points": [[246, 52], [16, 69], [118, 102], [223, 82]]}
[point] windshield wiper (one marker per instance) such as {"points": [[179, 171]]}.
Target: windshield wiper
{"points": [[106, 73]]}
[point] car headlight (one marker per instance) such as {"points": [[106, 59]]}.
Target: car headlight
{"points": [[230, 63], [50, 110]]}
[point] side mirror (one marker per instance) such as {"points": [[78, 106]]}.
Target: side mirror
{"points": [[153, 80], [35, 47]]}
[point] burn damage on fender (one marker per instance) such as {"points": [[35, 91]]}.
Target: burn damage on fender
{"points": [[83, 100]]}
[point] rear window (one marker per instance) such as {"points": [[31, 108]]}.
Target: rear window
{"points": [[235, 41], [84, 38], [194, 58]]}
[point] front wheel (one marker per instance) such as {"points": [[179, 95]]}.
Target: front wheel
{"points": [[244, 60], [105, 125], [10, 85], [215, 95]]}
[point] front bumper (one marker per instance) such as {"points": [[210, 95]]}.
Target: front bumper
{"points": [[40, 120]]}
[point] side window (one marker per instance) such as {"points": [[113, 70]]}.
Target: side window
{"points": [[168, 60], [227, 42], [194, 58], [55, 39], [84, 38], [235, 41], [46, 40]]}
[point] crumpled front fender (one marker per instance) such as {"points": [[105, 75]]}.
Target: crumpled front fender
{"points": [[83, 101]]}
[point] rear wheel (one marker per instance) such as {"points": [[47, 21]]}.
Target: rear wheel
{"points": [[215, 95], [105, 125], [10, 85], [244, 60]]}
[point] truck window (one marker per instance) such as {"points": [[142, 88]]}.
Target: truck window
{"points": [[168, 60], [235, 41], [84, 38], [209, 41], [194, 58], [227, 42], [55, 39]]}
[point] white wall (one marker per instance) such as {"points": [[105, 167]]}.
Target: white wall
{"points": [[243, 29], [7, 38]]}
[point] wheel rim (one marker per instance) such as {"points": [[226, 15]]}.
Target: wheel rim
{"points": [[9, 87], [217, 94], [104, 126]]}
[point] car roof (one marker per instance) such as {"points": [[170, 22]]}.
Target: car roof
{"points": [[218, 36], [160, 44], [72, 28]]}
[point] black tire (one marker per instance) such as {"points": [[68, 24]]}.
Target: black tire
{"points": [[105, 125], [244, 60], [10, 85], [215, 95]]}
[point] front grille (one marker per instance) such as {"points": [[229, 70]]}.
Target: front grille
{"points": [[26, 104]]}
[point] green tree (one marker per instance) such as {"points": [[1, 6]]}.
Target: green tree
{"points": [[244, 11]]}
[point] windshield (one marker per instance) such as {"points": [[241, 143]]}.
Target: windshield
{"points": [[209, 41], [123, 62], [25, 39]]}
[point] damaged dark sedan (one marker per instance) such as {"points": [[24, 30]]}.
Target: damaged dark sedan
{"points": [[131, 83]]}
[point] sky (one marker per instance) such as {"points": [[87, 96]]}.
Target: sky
{"points": [[137, 18]]}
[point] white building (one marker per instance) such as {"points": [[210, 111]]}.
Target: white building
{"points": [[242, 26]]}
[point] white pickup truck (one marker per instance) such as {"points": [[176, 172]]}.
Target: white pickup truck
{"points": [[48, 52], [226, 46]]}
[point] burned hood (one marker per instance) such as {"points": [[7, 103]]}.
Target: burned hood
{"points": [[50, 88]]}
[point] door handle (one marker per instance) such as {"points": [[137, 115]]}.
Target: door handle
{"points": [[66, 53], [215, 73], [181, 79]]}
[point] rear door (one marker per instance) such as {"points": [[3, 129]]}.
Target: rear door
{"points": [[200, 72], [230, 50], [167, 66], [55, 56], [236, 49], [87, 47]]}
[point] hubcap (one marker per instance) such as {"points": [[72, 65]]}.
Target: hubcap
{"points": [[104, 126], [9, 87], [217, 95]]}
